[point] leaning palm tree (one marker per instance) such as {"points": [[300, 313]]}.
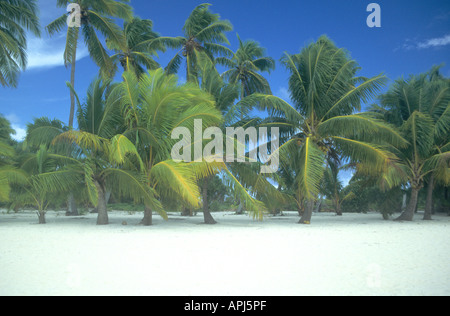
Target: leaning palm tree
{"points": [[420, 108], [245, 67], [96, 17], [16, 18], [250, 187], [204, 31], [134, 51], [326, 95]]}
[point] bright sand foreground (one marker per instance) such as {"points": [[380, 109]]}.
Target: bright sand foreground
{"points": [[356, 254]]}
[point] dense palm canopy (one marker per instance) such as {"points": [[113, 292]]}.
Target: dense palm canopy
{"points": [[204, 33], [245, 67], [126, 136], [420, 108], [323, 121], [16, 18]]}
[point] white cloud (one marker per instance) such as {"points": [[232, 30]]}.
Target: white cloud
{"points": [[48, 52], [435, 42], [410, 44]]}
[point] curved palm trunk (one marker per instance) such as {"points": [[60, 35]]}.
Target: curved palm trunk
{"points": [[408, 214], [429, 202], [102, 217], [307, 214], [206, 213]]}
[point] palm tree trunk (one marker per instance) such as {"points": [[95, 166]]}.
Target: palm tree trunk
{"points": [[338, 209], [72, 82], [148, 217], [102, 217], [206, 214], [307, 214], [408, 214], [41, 216], [72, 209], [429, 201]]}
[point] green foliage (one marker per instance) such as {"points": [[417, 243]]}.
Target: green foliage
{"points": [[135, 50], [322, 122], [204, 32], [97, 17], [16, 18], [245, 66]]}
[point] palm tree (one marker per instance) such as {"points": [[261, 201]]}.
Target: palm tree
{"points": [[250, 187], [204, 32], [16, 17], [420, 108], [326, 94], [245, 66], [134, 51], [96, 17], [153, 106], [108, 161], [333, 188], [41, 133], [43, 175]]}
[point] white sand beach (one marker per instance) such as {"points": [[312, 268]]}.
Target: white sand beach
{"points": [[356, 254]]}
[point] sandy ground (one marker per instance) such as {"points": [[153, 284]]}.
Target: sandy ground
{"points": [[356, 254]]}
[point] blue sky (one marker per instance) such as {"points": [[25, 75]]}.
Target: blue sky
{"points": [[414, 35]]}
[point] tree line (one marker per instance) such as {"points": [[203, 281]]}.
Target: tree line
{"points": [[121, 146]]}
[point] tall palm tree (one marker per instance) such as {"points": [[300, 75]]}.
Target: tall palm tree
{"points": [[326, 94], [16, 17], [245, 66], [204, 32], [96, 17], [420, 108], [134, 51]]}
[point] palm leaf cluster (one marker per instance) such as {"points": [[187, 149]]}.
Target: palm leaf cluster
{"points": [[16, 18]]}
